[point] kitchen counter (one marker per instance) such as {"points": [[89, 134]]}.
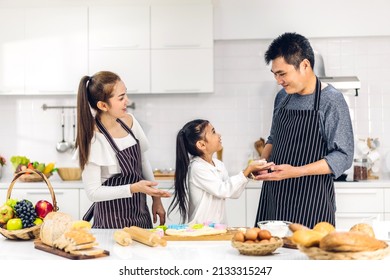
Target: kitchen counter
{"points": [[56, 182], [175, 250]]}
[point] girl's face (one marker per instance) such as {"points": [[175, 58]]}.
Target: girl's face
{"points": [[213, 141], [119, 101]]}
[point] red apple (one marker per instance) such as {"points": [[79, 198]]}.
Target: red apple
{"points": [[6, 213], [43, 207]]}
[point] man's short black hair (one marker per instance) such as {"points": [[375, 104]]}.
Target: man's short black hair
{"points": [[294, 48]]}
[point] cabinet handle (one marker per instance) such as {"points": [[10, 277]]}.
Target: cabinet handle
{"points": [[182, 46], [113, 47], [132, 91], [178, 90], [356, 192], [353, 216]]}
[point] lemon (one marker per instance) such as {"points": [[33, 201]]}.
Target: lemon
{"points": [[14, 224], [38, 221]]}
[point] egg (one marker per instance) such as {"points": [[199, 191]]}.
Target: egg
{"points": [[239, 236], [264, 234], [251, 234]]}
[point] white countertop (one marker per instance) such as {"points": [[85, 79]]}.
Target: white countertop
{"points": [[175, 250], [56, 182]]}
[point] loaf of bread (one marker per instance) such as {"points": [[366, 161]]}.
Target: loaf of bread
{"points": [[295, 226], [364, 228], [351, 241], [53, 226]]}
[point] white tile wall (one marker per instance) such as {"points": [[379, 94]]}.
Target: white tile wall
{"points": [[240, 108]]}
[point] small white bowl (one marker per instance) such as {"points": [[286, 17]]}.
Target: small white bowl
{"points": [[276, 228]]}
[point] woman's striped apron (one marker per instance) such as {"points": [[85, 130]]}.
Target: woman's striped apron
{"points": [[297, 141], [123, 212]]}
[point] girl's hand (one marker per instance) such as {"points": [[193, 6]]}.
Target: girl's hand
{"points": [[147, 187], [257, 166]]}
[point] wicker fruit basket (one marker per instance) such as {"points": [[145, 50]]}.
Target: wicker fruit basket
{"points": [[31, 232], [30, 176], [315, 253], [257, 249]]}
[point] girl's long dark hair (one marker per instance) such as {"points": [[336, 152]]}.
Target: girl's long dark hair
{"points": [[186, 139], [92, 89]]}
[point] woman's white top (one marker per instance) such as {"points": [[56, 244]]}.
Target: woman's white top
{"points": [[209, 186], [103, 164]]}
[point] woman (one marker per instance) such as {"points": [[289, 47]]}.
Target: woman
{"points": [[111, 150], [202, 182]]}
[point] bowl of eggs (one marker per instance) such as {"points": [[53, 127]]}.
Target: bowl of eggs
{"points": [[256, 242]]}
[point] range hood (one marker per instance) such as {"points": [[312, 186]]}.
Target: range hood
{"points": [[343, 83]]}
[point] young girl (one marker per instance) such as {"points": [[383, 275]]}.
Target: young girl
{"points": [[202, 182], [111, 148]]}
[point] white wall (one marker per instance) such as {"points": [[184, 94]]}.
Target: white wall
{"points": [[240, 108]]}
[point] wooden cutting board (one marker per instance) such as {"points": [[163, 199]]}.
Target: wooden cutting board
{"points": [[40, 246], [217, 237]]}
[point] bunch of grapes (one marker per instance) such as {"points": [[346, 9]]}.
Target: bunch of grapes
{"points": [[25, 210]]}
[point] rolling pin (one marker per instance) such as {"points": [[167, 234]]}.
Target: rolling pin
{"points": [[145, 236]]}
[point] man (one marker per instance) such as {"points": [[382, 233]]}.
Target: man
{"points": [[311, 140]]}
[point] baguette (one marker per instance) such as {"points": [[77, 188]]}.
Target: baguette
{"points": [[351, 241]]}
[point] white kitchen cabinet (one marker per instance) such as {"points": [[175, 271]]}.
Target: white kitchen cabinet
{"points": [[119, 41], [85, 203], [358, 205], [56, 49], [181, 26], [252, 203], [181, 49], [133, 66], [12, 53], [67, 199], [119, 27], [182, 71], [236, 211], [387, 204]]}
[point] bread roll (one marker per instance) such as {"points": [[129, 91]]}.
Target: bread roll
{"points": [[306, 237], [364, 228], [324, 228], [53, 226], [294, 227], [351, 241]]}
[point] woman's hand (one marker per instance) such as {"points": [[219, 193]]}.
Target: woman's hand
{"points": [[147, 187], [158, 209]]}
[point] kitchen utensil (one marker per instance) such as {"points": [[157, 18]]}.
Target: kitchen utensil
{"points": [[63, 146], [69, 173], [145, 236], [73, 143], [276, 228]]}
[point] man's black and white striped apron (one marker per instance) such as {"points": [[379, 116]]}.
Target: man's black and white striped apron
{"points": [[123, 212], [297, 141]]}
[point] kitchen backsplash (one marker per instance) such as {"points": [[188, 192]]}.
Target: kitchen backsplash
{"points": [[240, 108]]}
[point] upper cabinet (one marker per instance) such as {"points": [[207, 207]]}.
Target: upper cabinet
{"points": [[56, 49], [119, 41], [45, 51], [119, 27], [154, 48], [182, 49], [264, 19], [12, 51]]}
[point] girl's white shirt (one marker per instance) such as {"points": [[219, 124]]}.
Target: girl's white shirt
{"points": [[103, 164], [209, 186]]}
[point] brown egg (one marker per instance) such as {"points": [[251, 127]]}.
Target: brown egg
{"points": [[264, 234], [239, 236], [251, 234], [264, 241], [257, 229]]}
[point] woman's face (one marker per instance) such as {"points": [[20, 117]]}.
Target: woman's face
{"points": [[213, 139], [119, 101]]}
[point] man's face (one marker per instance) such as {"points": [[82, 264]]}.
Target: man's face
{"points": [[291, 79]]}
